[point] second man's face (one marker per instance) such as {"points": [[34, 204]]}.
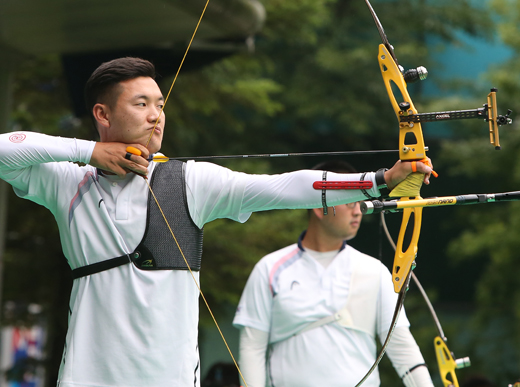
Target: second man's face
{"points": [[345, 224]]}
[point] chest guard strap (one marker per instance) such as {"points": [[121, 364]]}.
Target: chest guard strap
{"points": [[158, 250]]}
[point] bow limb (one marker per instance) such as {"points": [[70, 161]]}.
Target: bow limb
{"points": [[411, 145], [447, 362], [445, 358]]}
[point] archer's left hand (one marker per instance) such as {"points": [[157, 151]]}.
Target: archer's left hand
{"points": [[402, 169]]}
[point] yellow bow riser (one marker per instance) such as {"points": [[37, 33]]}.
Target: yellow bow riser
{"points": [[411, 148]]}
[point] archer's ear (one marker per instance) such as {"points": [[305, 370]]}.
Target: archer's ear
{"points": [[101, 115]]}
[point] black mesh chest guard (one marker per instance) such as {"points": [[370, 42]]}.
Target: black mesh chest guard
{"points": [[158, 250]]}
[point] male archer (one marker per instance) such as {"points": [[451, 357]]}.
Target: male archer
{"points": [[134, 305], [311, 312]]}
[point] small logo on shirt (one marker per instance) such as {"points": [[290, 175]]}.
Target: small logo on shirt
{"points": [[17, 138], [142, 262], [147, 263], [294, 284]]}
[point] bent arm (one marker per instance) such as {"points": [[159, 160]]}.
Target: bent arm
{"points": [[407, 359], [20, 151], [24, 149]]}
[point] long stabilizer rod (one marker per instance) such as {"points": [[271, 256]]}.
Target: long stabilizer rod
{"points": [[377, 206]]}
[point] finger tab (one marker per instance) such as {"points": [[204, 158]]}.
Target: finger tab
{"points": [[133, 150]]}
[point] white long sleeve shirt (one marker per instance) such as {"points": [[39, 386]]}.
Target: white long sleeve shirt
{"points": [[130, 327], [288, 290]]}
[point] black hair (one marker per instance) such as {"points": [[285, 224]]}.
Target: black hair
{"points": [[337, 166], [102, 83]]}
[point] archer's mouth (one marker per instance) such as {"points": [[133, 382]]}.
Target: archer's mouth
{"points": [[157, 129]]}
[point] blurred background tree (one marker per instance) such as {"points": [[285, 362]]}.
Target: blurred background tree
{"points": [[313, 84]]}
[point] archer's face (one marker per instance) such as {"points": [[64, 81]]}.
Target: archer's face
{"points": [[345, 224], [135, 113]]}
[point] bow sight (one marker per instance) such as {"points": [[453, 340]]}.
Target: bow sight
{"points": [[408, 116], [488, 112]]}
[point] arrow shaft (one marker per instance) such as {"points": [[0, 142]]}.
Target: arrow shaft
{"points": [[277, 155]]}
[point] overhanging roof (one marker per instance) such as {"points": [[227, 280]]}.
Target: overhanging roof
{"points": [[79, 26], [88, 32]]}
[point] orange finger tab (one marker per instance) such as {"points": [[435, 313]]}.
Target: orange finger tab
{"points": [[414, 166], [133, 150]]}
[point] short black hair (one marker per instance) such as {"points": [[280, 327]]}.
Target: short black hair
{"points": [[109, 74], [336, 166]]}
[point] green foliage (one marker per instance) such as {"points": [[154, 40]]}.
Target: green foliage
{"points": [[41, 101], [487, 235], [313, 84]]}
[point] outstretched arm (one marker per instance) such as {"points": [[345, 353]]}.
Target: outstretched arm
{"points": [[216, 192]]}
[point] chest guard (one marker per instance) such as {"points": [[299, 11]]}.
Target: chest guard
{"points": [[158, 250]]}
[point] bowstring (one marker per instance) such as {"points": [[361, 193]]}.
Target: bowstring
{"points": [[164, 216], [178, 71], [196, 282]]}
